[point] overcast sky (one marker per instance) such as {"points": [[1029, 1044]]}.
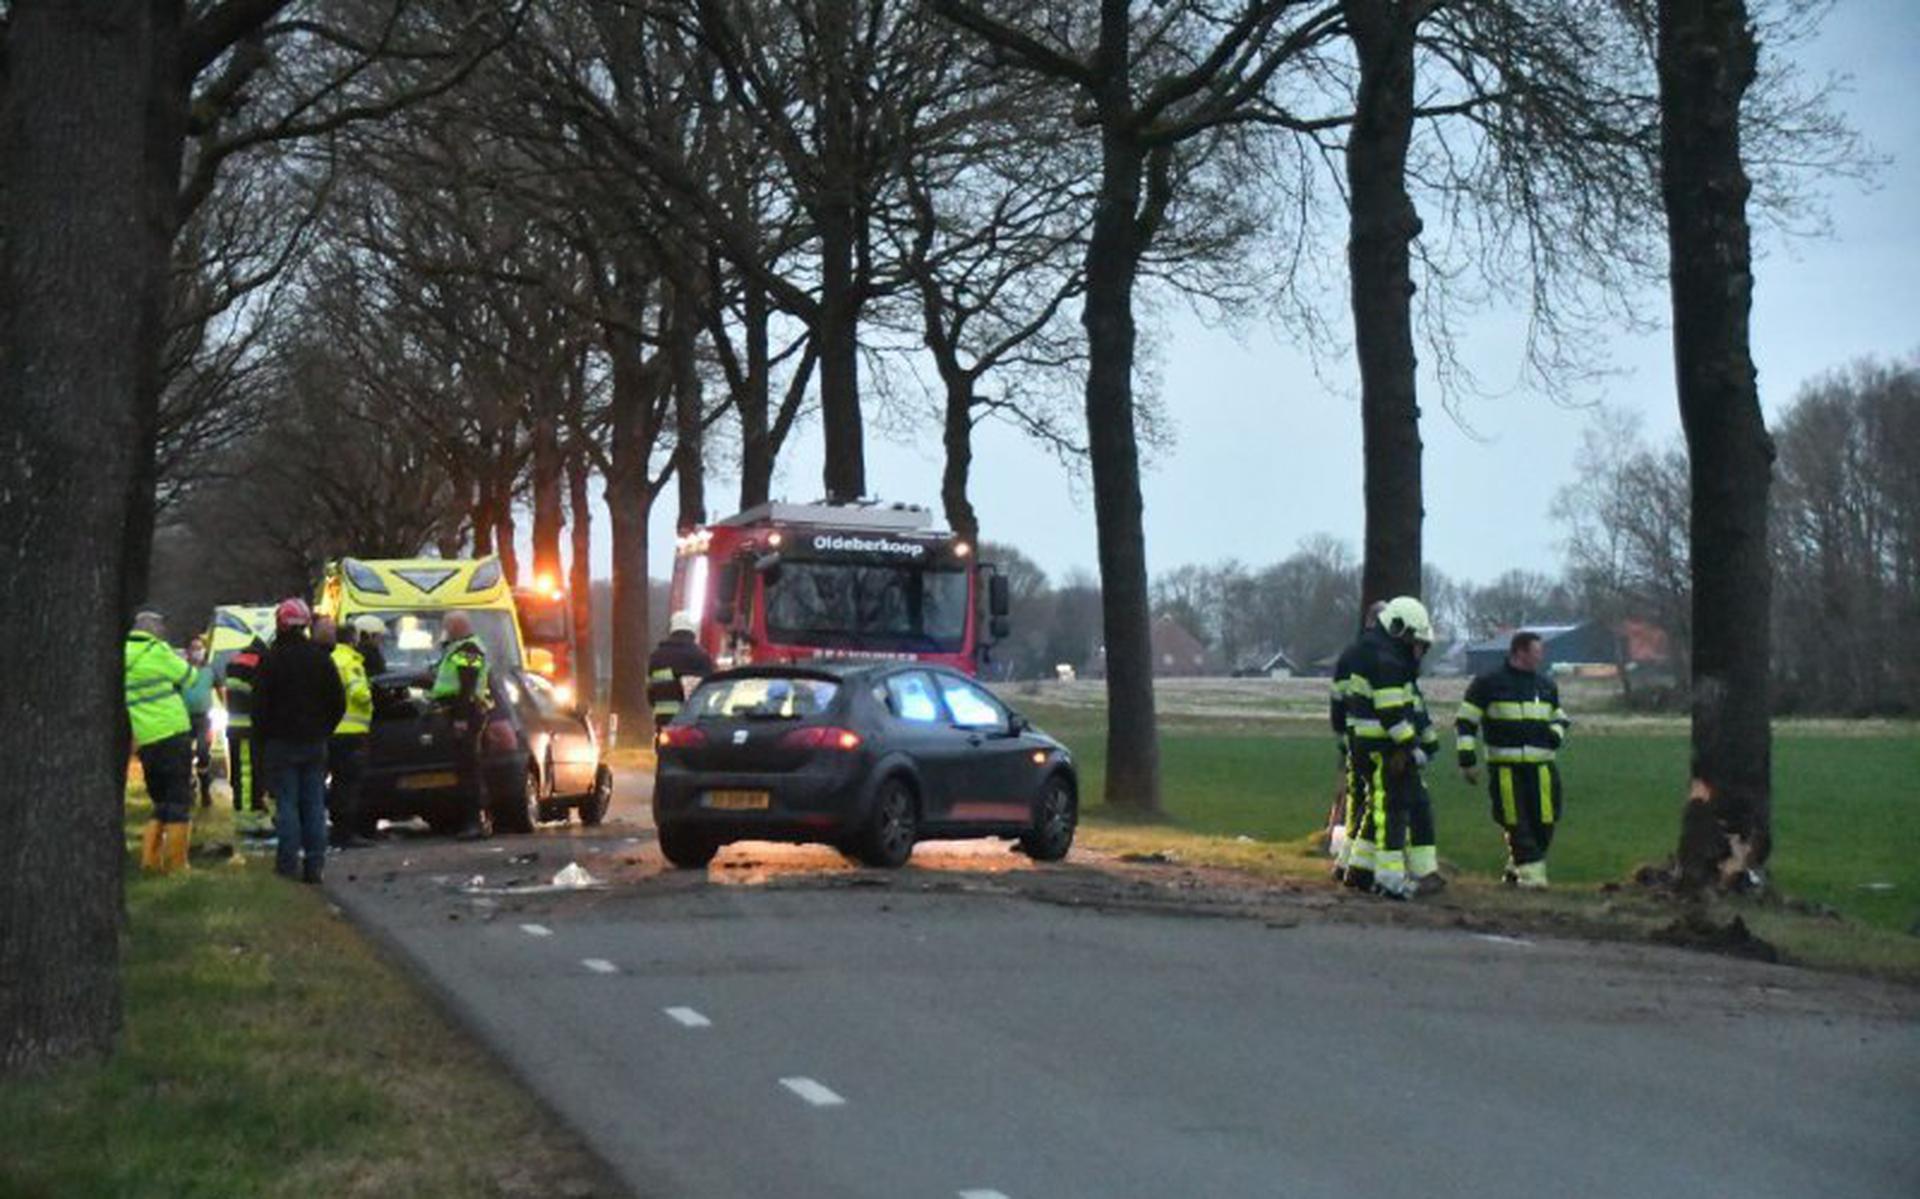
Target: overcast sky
{"points": [[1267, 452]]}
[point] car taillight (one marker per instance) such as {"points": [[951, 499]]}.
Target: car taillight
{"points": [[498, 735], [822, 737], [681, 736]]}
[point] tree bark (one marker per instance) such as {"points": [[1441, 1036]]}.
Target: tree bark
{"points": [[1113, 256], [83, 274], [755, 402], [958, 440], [580, 580], [837, 220], [504, 538], [547, 466], [1707, 60], [689, 448], [629, 502], [1382, 224]]}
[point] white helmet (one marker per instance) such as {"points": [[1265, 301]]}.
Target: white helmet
{"points": [[1406, 618], [683, 622], [369, 625]]}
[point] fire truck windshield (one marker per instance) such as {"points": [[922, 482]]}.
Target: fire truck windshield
{"points": [[907, 608]]}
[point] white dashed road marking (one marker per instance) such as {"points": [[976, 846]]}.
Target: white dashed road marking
{"points": [[1497, 939], [812, 1092], [982, 1195], [688, 1017], [600, 965], [536, 930]]}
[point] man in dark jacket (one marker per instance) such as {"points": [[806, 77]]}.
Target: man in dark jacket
{"points": [[297, 703], [673, 664], [1512, 716]]}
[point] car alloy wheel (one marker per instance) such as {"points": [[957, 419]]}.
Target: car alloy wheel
{"points": [[1054, 819], [890, 837]]}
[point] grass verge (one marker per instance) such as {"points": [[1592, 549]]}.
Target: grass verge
{"points": [[1250, 796], [270, 1051]]}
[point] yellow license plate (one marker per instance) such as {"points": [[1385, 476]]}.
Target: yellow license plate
{"points": [[424, 782], [738, 801]]}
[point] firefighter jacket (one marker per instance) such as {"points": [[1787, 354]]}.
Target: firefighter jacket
{"points": [[1343, 669], [678, 657], [155, 677], [1383, 706], [357, 720], [238, 676], [1516, 713]]}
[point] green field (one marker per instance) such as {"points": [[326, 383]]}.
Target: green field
{"points": [[1845, 807], [269, 1051]]}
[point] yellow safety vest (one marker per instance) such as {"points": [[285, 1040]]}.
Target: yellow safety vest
{"points": [[358, 718], [155, 675]]}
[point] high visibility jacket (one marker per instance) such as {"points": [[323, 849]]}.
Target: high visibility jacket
{"points": [[678, 657], [1343, 669], [1382, 702], [155, 677], [1516, 713], [465, 654], [358, 718], [238, 676]]}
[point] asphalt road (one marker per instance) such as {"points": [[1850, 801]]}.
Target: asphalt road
{"points": [[793, 1027]]}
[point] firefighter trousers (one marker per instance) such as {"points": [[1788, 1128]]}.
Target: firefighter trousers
{"points": [[1527, 801], [1396, 811], [243, 772]]}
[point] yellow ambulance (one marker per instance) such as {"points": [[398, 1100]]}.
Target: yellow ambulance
{"points": [[413, 596]]}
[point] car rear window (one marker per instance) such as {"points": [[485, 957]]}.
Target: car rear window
{"points": [[759, 697]]}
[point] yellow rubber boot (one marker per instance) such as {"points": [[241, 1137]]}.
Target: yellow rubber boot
{"points": [[150, 847], [175, 838]]}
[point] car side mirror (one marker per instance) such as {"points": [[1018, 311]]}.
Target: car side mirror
{"points": [[725, 586], [1018, 724], [999, 598]]}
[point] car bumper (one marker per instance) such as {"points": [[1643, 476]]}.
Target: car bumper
{"points": [[804, 805], [404, 791]]}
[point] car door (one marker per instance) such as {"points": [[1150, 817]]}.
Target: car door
{"points": [[575, 759], [996, 781], [919, 726]]}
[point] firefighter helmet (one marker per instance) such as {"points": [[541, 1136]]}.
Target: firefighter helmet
{"points": [[1406, 618], [683, 622], [292, 614]]}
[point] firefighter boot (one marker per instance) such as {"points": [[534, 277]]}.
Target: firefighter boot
{"points": [[1390, 879], [174, 840], [1359, 871], [1423, 863], [150, 847], [1531, 877]]}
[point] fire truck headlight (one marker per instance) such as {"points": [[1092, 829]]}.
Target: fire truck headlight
{"points": [[961, 549], [563, 695]]}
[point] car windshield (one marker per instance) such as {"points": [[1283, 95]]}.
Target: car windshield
{"points": [[759, 698], [544, 622], [857, 604], [413, 638]]}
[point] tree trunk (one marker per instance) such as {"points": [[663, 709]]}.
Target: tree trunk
{"points": [[1382, 224], [547, 466], [580, 580], [1706, 62], [1133, 746], [689, 449], [629, 501], [87, 206], [756, 403], [837, 220], [504, 538], [958, 439]]}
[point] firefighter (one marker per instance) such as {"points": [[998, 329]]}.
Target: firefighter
{"points": [[236, 682], [1515, 711], [162, 731], [1392, 739], [460, 682], [347, 748], [672, 664], [1350, 836]]}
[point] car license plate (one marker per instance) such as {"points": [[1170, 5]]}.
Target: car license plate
{"points": [[738, 801], [424, 782]]}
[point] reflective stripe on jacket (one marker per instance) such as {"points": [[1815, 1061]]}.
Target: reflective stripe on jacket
{"points": [[465, 654], [154, 678], [1516, 713]]}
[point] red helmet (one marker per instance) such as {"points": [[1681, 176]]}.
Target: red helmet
{"points": [[292, 614]]}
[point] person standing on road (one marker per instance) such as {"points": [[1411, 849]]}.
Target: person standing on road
{"points": [[1516, 712], [198, 694], [162, 731], [1350, 830], [461, 684], [235, 680], [1393, 737], [297, 703], [347, 749], [674, 668]]}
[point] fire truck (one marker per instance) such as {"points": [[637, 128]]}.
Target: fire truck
{"points": [[803, 582], [546, 621]]}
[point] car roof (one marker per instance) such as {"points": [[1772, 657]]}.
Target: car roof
{"points": [[827, 670]]}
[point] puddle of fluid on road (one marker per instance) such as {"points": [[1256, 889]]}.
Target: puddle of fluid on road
{"points": [[754, 863]]}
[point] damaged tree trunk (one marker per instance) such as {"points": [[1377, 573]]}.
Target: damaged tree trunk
{"points": [[1382, 224], [1707, 60]]}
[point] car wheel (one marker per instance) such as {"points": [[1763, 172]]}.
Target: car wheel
{"points": [[687, 849], [1054, 819], [518, 813], [889, 835], [593, 809]]}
